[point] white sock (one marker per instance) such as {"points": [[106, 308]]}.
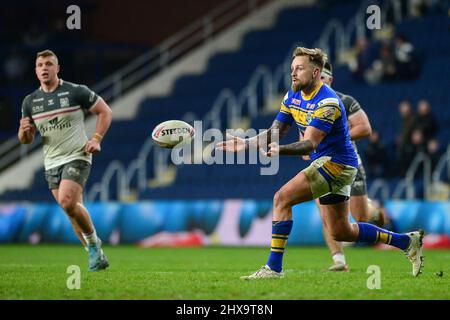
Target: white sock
{"points": [[339, 257], [91, 238]]}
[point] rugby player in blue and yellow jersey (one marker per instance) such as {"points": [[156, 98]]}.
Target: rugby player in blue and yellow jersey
{"points": [[320, 115]]}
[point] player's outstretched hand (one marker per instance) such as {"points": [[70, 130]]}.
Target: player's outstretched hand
{"points": [[232, 144], [273, 150], [92, 146]]}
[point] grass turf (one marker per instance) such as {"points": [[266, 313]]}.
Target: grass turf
{"points": [[39, 272]]}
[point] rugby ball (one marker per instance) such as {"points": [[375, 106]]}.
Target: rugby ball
{"points": [[170, 133]]}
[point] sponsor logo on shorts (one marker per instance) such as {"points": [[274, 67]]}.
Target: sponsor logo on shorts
{"points": [[74, 172]]}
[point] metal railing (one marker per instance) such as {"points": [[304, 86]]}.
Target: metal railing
{"points": [[379, 185], [440, 166], [160, 57], [407, 184], [431, 177]]}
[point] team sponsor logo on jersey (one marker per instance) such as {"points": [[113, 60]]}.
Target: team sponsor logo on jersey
{"points": [[92, 96], [333, 101], [55, 124], [37, 108], [65, 93], [329, 113], [51, 102], [37, 100], [309, 117], [64, 102], [296, 102], [310, 106]]}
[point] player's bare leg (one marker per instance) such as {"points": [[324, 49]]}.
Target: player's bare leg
{"points": [[69, 196], [335, 247], [296, 191], [342, 230], [75, 225], [359, 209], [70, 199], [336, 218], [377, 214]]}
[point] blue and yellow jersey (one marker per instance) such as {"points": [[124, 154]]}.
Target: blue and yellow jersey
{"points": [[323, 110]]}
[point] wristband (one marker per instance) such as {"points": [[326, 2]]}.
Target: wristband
{"points": [[98, 137]]}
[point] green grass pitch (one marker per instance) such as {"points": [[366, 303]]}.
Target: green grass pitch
{"points": [[40, 272]]}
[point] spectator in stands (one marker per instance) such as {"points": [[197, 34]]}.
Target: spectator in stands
{"points": [[405, 148], [434, 152], [375, 154], [359, 64], [409, 151], [418, 8], [408, 121], [406, 64], [418, 142], [426, 121], [383, 68]]}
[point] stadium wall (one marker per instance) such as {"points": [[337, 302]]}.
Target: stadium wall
{"points": [[198, 222]]}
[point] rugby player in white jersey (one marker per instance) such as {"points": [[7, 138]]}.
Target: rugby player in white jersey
{"points": [[56, 109]]}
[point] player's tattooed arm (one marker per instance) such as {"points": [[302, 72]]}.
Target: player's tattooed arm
{"points": [[277, 129], [237, 144], [311, 140], [299, 148]]}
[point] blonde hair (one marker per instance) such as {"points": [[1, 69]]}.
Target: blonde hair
{"points": [[46, 53], [316, 55]]}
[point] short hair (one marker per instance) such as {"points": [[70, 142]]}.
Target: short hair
{"points": [[316, 56], [46, 53]]}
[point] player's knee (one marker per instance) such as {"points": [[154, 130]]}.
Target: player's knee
{"points": [[280, 200], [68, 205]]}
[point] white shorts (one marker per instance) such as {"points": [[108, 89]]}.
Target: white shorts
{"points": [[327, 177]]}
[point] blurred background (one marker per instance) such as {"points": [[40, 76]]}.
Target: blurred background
{"points": [[226, 63]]}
